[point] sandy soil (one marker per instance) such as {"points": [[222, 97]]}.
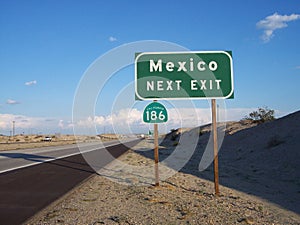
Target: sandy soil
{"points": [[259, 177], [36, 141]]}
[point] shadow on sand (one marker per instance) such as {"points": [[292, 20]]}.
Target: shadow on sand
{"points": [[29, 157], [244, 169]]}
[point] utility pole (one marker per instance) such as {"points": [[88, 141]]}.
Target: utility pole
{"points": [[13, 128]]}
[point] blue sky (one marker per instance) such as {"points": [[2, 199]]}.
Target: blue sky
{"points": [[46, 46]]}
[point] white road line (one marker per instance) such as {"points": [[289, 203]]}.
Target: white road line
{"points": [[61, 157]]}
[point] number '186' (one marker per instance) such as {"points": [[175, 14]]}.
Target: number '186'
{"points": [[152, 115]]}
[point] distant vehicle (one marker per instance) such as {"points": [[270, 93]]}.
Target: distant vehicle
{"points": [[47, 138]]}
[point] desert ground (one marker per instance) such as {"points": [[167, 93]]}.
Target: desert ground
{"points": [[21, 141], [259, 169]]}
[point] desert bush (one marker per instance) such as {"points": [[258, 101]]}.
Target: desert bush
{"points": [[200, 132], [175, 143], [174, 137], [261, 115], [274, 141], [174, 134]]}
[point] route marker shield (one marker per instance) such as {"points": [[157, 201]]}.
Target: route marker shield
{"points": [[155, 112]]}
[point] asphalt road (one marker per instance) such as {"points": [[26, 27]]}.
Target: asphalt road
{"points": [[35, 179], [15, 159]]}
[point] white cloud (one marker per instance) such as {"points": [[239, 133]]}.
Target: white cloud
{"points": [[65, 124], [12, 102], [88, 122], [30, 83], [274, 22], [28, 124], [21, 121], [121, 117], [130, 120], [112, 39], [123, 121], [99, 120], [61, 124]]}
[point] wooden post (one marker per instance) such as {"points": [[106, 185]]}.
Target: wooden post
{"points": [[156, 154], [215, 138]]}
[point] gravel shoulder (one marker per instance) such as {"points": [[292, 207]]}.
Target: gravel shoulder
{"points": [[127, 196]]}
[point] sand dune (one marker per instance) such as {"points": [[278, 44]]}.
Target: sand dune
{"points": [[262, 160]]}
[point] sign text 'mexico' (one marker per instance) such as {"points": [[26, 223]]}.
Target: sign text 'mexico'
{"points": [[182, 66]]}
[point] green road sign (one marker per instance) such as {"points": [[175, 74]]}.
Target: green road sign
{"points": [[184, 75], [155, 113]]}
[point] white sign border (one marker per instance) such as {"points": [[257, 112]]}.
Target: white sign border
{"points": [[183, 52]]}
